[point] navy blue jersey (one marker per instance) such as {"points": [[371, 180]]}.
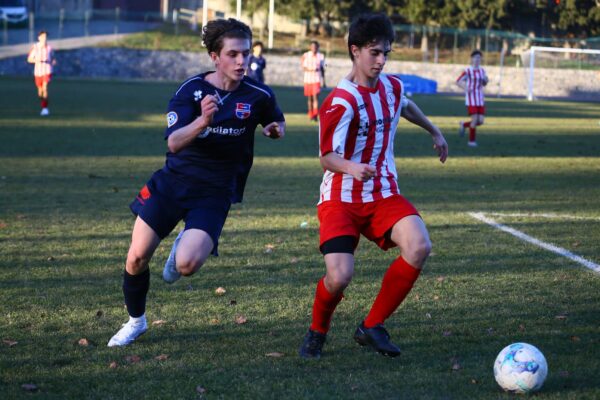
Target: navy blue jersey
{"points": [[218, 161], [256, 67]]}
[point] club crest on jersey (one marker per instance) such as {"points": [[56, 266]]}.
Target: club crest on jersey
{"points": [[242, 110], [197, 95], [171, 118]]}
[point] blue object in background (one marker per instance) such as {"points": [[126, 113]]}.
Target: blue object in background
{"points": [[416, 84]]}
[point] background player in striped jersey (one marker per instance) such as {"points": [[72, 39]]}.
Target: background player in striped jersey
{"points": [[359, 192], [211, 121], [42, 56], [313, 65], [472, 81]]}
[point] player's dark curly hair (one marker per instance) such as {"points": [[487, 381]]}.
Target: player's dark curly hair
{"points": [[369, 28], [215, 31], [475, 52]]}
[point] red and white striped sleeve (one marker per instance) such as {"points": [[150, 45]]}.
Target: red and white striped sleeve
{"points": [[461, 76], [335, 117]]}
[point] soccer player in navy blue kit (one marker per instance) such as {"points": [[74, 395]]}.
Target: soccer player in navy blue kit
{"points": [[210, 135], [257, 63]]}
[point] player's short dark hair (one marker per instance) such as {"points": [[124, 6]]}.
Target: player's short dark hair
{"points": [[42, 32], [258, 43], [215, 31], [475, 52], [315, 43], [369, 28]]}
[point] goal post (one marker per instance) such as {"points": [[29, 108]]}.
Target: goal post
{"points": [[541, 49]]}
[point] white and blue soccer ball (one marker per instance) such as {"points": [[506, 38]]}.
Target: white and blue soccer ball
{"points": [[520, 368]]}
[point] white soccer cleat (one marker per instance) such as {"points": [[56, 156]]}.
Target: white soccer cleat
{"points": [[461, 128], [170, 273], [472, 144], [44, 112], [130, 331]]}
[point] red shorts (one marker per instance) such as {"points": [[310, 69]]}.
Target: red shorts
{"points": [[373, 219], [40, 80], [476, 110], [312, 89]]}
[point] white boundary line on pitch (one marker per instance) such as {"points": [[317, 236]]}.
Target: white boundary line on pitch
{"points": [[543, 215], [548, 246]]}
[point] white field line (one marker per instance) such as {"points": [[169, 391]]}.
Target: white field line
{"points": [[543, 215], [548, 246]]}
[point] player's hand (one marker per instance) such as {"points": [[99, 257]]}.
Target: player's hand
{"points": [[485, 80], [274, 130], [209, 107], [363, 172], [440, 146]]}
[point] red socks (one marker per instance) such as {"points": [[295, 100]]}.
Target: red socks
{"points": [[323, 308], [397, 282], [44, 101], [471, 134], [467, 124]]}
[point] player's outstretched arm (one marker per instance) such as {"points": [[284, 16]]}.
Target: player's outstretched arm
{"points": [[414, 114], [275, 130], [334, 163], [186, 135]]}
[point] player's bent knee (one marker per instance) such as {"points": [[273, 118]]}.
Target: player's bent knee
{"points": [[417, 252], [136, 264]]}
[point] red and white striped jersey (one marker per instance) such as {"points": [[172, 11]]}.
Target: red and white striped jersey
{"points": [[359, 124], [474, 86], [314, 63], [42, 56]]}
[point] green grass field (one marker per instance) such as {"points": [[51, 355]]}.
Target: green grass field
{"points": [[66, 182]]}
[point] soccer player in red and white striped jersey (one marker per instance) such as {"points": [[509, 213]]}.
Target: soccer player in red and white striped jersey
{"points": [[359, 192], [313, 65], [42, 55], [472, 81]]}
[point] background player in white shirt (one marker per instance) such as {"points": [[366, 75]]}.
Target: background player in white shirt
{"points": [[42, 55], [472, 81], [313, 65], [359, 192]]}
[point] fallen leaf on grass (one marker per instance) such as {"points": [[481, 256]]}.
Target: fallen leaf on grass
{"points": [[456, 366], [474, 381], [575, 339], [293, 260], [241, 319], [83, 342], [29, 387], [440, 278], [417, 297], [158, 322], [113, 365], [200, 389], [161, 357], [561, 317], [269, 248], [2, 225], [9, 342], [133, 359], [275, 354], [521, 328], [576, 244], [220, 291], [50, 258], [428, 315], [436, 297], [214, 321]]}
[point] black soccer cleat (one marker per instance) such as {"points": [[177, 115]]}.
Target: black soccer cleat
{"points": [[376, 337], [312, 346]]}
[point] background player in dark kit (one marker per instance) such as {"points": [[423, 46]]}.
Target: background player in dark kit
{"points": [[210, 136]]}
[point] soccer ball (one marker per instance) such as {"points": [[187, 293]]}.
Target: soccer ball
{"points": [[520, 368]]}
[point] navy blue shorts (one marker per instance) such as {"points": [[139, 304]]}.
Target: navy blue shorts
{"points": [[162, 212]]}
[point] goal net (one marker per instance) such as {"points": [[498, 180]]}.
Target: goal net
{"points": [[562, 72]]}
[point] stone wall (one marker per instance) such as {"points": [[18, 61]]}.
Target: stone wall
{"points": [[285, 71]]}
